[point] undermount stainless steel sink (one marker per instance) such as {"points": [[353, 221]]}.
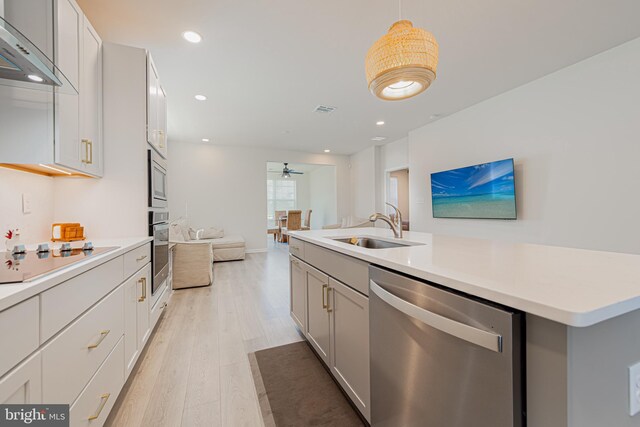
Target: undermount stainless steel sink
{"points": [[371, 243]]}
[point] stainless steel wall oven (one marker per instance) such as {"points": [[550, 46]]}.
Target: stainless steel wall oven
{"points": [[159, 230]]}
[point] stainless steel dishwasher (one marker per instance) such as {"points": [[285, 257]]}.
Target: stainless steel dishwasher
{"points": [[442, 359]]}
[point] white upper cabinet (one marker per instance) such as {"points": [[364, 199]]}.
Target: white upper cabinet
{"points": [[57, 131], [156, 110], [91, 100], [78, 118], [68, 40]]}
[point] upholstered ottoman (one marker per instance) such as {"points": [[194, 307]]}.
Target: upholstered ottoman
{"points": [[228, 248], [192, 265]]}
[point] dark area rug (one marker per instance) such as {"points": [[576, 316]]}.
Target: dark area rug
{"points": [[295, 389]]}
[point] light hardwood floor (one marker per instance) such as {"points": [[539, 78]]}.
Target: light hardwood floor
{"points": [[195, 370]]}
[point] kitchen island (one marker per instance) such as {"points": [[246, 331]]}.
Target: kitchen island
{"points": [[581, 309]]}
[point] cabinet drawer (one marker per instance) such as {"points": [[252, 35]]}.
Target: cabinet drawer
{"points": [[19, 334], [296, 247], [71, 359], [136, 259], [98, 397], [353, 272], [63, 303], [159, 307]]}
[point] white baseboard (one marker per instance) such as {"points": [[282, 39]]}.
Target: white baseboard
{"points": [[255, 251]]}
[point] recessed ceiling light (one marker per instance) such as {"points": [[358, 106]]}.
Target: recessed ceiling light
{"points": [[205, 139], [378, 138], [434, 116], [192, 36], [380, 123], [200, 97], [327, 151], [35, 78]]}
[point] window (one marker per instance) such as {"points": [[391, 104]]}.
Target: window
{"points": [[281, 196]]}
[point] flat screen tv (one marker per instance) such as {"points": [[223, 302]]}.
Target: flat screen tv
{"points": [[481, 191]]}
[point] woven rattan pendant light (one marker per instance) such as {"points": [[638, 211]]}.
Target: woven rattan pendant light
{"points": [[402, 63]]}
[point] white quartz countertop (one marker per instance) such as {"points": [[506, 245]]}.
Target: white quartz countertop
{"points": [[575, 287], [13, 293]]}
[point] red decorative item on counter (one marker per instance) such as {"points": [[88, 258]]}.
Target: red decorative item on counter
{"points": [[9, 234]]}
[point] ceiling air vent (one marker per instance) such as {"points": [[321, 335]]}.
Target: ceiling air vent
{"points": [[324, 109], [378, 138]]}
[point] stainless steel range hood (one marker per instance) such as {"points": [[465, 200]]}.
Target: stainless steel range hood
{"points": [[23, 64]]}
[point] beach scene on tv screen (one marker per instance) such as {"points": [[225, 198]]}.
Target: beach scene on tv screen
{"points": [[480, 191]]}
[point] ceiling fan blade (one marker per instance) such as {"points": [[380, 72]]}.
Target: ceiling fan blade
{"points": [[297, 173]]}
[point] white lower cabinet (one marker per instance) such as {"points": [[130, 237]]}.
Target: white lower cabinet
{"points": [[298, 293], [159, 305], [318, 326], [337, 327], [137, 328], [22, 338], [350, 343], [96, 400], [143, 319], [23, 384], [77, 342]]}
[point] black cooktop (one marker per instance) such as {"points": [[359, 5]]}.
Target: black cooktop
{"points": [[28, 266]]}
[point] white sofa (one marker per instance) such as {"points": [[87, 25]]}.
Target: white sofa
{"points": [[350, 222], [194, 258]]}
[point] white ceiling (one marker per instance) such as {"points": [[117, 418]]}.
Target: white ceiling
{"points": [[265, 65]]}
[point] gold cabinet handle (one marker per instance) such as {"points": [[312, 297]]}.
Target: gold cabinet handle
{"points": [[85, 142], [143, 281], [324, 304], [141, 258], [103, 335], [88, 151], [329, 309], [162, 138], [103, 402]]}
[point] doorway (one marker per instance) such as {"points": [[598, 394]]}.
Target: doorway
{"points": [[397, 185], [307, 190]]}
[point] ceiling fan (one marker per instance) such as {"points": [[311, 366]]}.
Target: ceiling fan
{"points": [[286, 172]]}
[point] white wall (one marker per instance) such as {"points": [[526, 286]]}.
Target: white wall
{"points": [[363, 182], [323, 188], [36, 226], [395, 155], [369, 169], [225, 186], [574, 135]]}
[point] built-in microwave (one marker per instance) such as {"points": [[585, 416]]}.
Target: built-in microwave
{"points": [[157, 180]]}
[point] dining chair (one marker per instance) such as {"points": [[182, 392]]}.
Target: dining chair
{"points": [[294, 222], [307, 220], [278, 224]]}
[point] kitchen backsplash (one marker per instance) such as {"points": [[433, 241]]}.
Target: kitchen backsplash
{"points": [[34, 226]]}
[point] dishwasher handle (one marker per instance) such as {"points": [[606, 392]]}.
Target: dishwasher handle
{"points": [[488, 340]]}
